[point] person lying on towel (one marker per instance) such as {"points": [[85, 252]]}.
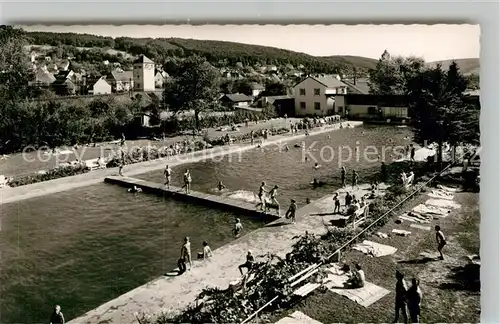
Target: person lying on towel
{"points": [[356, 278]]}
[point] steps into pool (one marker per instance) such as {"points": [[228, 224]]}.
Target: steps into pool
{"points": [[195, 197]]}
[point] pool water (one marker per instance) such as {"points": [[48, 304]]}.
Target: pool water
{"points": [[84, 247]]}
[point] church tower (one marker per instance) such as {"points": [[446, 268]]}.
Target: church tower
{"points": [[144, 74]]}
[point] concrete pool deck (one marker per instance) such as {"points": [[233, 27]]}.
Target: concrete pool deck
{"points": [[9, 195], [175, 292], [194, 197]]}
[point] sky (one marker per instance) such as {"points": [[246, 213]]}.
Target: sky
{"points": [[432, 42]]}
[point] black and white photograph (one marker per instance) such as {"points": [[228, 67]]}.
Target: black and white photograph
{"points": [[156, 174]]}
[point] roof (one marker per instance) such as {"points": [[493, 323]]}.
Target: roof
{"points": [[257, 86], [361, 86], [272, 99], [44, 77], [100, 79], [238, 97], [328, 81], [124, 76], [143, 59]]}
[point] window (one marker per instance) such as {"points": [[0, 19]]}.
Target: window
{"points": [[316, 92], [302, 92], [317, 106], [302, 105]]}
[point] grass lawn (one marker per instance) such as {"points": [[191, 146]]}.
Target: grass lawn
{"points": [[447, 297]]}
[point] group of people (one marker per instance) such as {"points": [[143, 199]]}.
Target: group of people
{"points": [[352, 204], [355, 177], [408, 299]]}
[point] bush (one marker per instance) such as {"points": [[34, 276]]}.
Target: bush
{"points": [[49, 175]]}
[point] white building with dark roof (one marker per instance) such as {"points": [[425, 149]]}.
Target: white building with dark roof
{"points": [[315, 95], [144, 74]]}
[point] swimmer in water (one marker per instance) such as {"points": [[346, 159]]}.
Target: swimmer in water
{"points": [[221, 186], [316, 166], [134, 189], [329, 137], [317, 183], [287, 148]]}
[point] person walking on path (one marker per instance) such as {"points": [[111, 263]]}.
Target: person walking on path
{"points": [[57, 316], [412, 153], [348, 199], [355, 179], [414, 300], [441, 241], [248, 264], [342, 176], [290, 213], [185, 256], [400, 303]]}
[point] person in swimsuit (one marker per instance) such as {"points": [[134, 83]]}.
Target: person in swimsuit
{"points": [[187, 181], [414, 300], [273, 194], [207, 252], [441, 241], [135, 189], [221, 186], [262, 192], [354, 179], [57, 316], [238, 227], [248, 264], [185, 256], [342, 176], [290, 213], [168, 175], [412, 153], [120, 169], [122, 141], [400, 303], [336, 200]]}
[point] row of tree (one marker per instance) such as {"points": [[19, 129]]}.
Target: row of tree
{"points": [[442, 111]]}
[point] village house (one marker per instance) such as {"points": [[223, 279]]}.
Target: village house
{"points": [[315, 95], [357, 85], [373, 107], [64, 65], [236, 100], [257, 89], [101, 86], [44, 78], [144, 74], [121, 81], [160, 79], [284, 105]]}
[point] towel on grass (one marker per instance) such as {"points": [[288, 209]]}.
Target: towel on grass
{"points": [[425, 228], [401, 232], [297, 318], [416, 217], [365, 296], [448, 189], [441, 194], [374, 249], [442, 203], [431, 210]]}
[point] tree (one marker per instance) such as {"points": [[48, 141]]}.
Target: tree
{"points": [[275, 89], [196, 88], [441, 112], [391, 74], [16, 71]]}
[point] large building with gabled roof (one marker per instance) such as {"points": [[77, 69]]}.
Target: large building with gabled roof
{"points": [[144, 74]]}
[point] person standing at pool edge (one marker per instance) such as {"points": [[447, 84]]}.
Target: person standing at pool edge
{"points": [[185, 256], [273, 194], [262, 201], [187, 181], [441, 241], [168, 174]]}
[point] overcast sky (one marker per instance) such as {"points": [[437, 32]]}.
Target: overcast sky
{"points": [[432, 42]]}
